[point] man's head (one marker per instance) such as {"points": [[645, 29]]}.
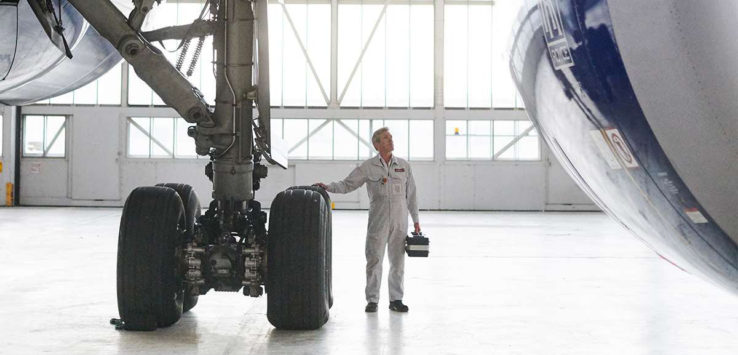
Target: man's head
{"points": [[382, 140]]}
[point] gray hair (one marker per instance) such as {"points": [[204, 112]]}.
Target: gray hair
{"points": [[376, 136]]}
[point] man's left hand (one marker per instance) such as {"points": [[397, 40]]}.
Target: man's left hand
{"points": [[417, 227]]}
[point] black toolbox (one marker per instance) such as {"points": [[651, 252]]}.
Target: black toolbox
{"points": [[417, 245]]}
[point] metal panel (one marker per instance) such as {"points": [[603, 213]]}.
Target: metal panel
{"points": [[43, 178], [94, 160]]}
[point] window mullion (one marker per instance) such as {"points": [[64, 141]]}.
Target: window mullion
{"points": [[492, 53], [151, 127], [174, 136], [409, 63], [43, 140], [385, 60], [491, 139], [468, 35]]}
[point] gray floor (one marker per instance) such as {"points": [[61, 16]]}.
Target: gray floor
{"points": [[503, 283]]}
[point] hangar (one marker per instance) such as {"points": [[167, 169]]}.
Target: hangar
{"points": [[492, 103]]}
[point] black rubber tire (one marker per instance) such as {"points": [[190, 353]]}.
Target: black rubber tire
{"points": [[297, 296], [192, 211], [329, 239], [149, 285]]}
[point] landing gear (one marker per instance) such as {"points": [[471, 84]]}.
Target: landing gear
{"points": [[169, 254]]}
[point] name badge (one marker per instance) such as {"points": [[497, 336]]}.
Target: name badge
{"points": [[401, 170]]}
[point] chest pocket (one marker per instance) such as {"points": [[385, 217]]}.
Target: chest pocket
{"points": [[398, 178], [377, 184]]}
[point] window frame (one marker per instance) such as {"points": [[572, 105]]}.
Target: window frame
{"points": [[44, 154], [96, 82], [373, 124], [492, 136], [131, 124]]}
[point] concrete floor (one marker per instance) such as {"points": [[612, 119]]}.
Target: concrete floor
{"points": [[503, 283]]}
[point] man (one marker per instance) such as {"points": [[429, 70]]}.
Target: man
{"points": [[392, 194]]}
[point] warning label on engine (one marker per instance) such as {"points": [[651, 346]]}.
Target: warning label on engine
{"points": [[553, 29], [613, 148], [695, 215], [621, 148]]}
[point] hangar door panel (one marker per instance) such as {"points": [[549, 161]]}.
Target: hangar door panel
{"points": [[95, 173]]}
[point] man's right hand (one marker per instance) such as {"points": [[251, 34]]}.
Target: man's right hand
{"points": [[322, 185]]}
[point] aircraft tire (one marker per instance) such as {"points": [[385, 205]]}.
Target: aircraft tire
{"points": [[328, 242], [192, 212], [297, 297], [149, 285]]}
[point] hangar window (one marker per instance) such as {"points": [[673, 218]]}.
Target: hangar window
{"points": [[382, 53], [159, 137], [385, 53], [300, 53], [491, 140], [350, 139], [476, 71], [103, 91], [44, 136]]}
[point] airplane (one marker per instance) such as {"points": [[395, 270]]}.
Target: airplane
{"points": [[636, 99]]}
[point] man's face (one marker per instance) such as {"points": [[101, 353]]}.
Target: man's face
{"points": [[385, 144]]}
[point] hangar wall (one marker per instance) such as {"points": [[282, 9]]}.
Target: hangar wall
{"points": [[96, 172], [7, 155]]}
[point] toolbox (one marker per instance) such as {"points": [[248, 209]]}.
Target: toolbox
{"points": [[417, 245]]}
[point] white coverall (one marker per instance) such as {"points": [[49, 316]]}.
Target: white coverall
{"points": [[392, 194]]}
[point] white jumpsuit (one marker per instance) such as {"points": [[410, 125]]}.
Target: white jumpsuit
{"points": [[392, 195]]}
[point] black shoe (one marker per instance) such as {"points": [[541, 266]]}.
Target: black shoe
{"points": [[397, 306], [371, 307]]}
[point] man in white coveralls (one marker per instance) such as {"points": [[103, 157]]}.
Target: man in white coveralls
{"points": [[391, 188]]}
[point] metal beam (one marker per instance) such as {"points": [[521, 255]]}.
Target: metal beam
{"points": [[199, 28], [56, 136], [334, 54], [263, 137], [438, 48], [512, 143], [362, 140], [149, 63], [309, 135]]}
